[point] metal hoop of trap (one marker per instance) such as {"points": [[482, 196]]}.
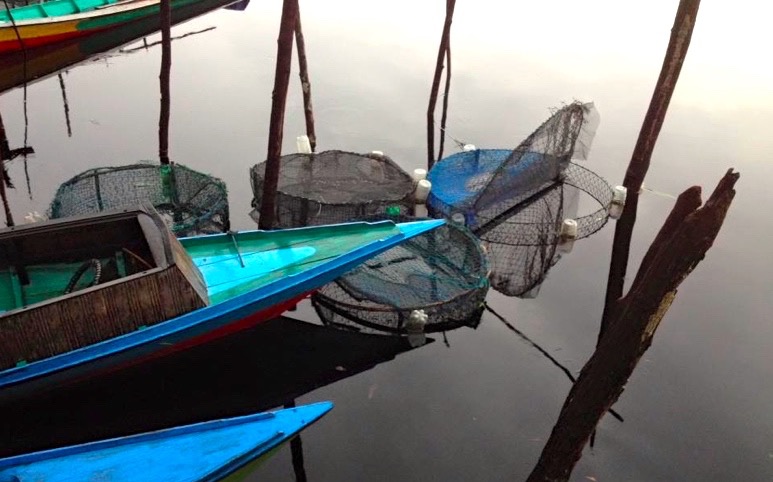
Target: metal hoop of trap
{"points": [[443, 274]]}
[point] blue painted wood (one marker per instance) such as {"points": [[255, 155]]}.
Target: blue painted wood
{"points": [[119, 350], [200, 452]]}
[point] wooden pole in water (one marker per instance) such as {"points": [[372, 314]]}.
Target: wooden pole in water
{"points": [[444, 115], [444, 40], [676, 52], [281, 81], [303, 67], [164, 80], [5, 180], [684, 239], [66, 105]]}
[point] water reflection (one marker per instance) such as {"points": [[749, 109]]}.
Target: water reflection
{"points": [[268, 366]]}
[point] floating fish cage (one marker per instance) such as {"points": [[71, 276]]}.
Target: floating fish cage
{"points": [[480, 185], [526, 241], [335, 186], [441, 275], [190, 202]]}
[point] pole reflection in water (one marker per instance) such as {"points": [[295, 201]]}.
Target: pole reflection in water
{"points": [[262, 368]]}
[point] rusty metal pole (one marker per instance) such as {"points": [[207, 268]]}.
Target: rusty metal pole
{"points": [[279, 100]]}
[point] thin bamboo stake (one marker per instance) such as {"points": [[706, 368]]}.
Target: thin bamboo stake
{"points": [[303, 67], [444, 39], [676, 52], [281, 81]]}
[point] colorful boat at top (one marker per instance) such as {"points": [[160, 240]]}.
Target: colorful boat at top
{"points": [[58, 20], [86, 295], [19, 68], [200, 452]]}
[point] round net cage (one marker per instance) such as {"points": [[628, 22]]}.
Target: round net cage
{"points": [[334, 186], [525, 242], [442, 273], [482, 184], [190, 202]]}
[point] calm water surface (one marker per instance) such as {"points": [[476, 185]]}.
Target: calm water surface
{"points": [[481, 406]]}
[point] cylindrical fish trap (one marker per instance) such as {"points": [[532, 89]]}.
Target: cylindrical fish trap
{"points": [[441, 274], [190, 202], [333, 187], [527, 240]]}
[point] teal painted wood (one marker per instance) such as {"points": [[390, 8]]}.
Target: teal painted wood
{"points": [[115, 352], [53, 8], [201, 452]]}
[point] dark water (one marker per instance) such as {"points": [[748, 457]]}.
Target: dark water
{"points": [[481, 406]]}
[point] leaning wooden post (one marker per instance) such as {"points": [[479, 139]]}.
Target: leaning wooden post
{"points": [[164, 79], [682, 242], [303, 68], [446, 91], [66, 105], [676, 52], [281, 81], [444, 39]]}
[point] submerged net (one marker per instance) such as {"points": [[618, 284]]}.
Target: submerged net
{"points": [[334, 186], [442, 272], [522, 244], [481, 185], [190, 202]]}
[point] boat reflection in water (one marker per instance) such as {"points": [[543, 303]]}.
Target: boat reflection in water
{"points": [[260, 369], [47, 60]]}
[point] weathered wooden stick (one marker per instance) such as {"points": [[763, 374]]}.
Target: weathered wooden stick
{"points": [[66, 105], [444, 38], [446, 90], [681, 244], [281, 81], [5, 153], [676, 52], [164, 79], [303, 68]]}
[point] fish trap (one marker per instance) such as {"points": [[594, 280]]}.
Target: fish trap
{"points": [[190, 202], [334, 186], [442, 273], [480, 185], [526, 241]]}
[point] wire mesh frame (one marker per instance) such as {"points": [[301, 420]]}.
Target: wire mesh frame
{"points": [[338, 304], [533, 234], [298, 210], [190, 202]]}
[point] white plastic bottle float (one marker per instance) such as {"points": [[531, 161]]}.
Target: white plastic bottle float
{"points": [[567, 236], [619, 195]]}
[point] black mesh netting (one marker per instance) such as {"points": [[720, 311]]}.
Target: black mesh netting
{"points": [[334, 186], [442, 272], [482, 184], [190, 202], [522, 243]]}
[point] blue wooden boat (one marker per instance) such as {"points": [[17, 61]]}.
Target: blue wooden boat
{"points": [[147, 294], [199, 452]]}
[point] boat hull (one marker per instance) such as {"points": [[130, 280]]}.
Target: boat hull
{"points": [[216, 320], [53, 30], [204, 451]]}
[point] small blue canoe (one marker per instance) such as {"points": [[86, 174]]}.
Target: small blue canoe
{"points": [[199, 452]]}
